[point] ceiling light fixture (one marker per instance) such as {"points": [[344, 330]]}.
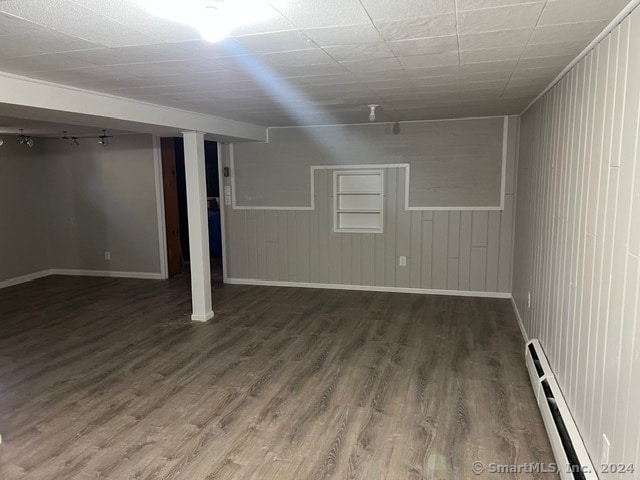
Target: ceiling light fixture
{"points": [[25, 139], [1, 142], [214, 19], [74, 141], [372, 112], [102, 139]]}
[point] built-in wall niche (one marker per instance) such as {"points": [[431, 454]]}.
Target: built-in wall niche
{"points": [[358, 201]]}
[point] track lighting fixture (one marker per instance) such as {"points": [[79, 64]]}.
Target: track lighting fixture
{"points": [[25, 139], [102, 139], [372, 113]]}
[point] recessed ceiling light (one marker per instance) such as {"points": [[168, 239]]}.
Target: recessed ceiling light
{"points": [[214, 19]]}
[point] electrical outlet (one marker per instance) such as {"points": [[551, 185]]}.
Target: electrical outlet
{"points": [[528, 299], [107, 255], [402, 261], [604, 453]]}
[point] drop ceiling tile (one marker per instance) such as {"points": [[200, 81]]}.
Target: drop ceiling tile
{"points": [[463, 5], [12, 25], [486, 76], [312, 56], [545, 72], [499, 18], [305, 14], [309, 70], [366, 51], [487, 85], [404, 9], [561, 33], [428, 61], [490, 55], [551, 49], [435, 26], [501, 66], [201, 49], [40, 63], [376, 65], [336, 36], [538, 82], [20, 46], [519, 92], [425, 46], [329, 79], [72, 19], [396, 74], [427, 72], [542, 62], [274, 42], [571, 11], [101, 56], [501, 38]]}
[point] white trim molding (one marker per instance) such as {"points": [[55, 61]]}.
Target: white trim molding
{"points": [[367, 288], [406, 166], [162, 227], [78, 273], [106, 273], [523, 331], [24, 278]]}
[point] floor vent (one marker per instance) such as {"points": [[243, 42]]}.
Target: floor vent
{"points": [[571, 455]]}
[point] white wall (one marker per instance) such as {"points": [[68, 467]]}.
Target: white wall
{"points": [[62, 207], [24, 233], [102, 198], [577, 244], [465, 251]]}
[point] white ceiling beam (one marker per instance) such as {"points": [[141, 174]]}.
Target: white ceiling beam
{"points": [[68, 102]]}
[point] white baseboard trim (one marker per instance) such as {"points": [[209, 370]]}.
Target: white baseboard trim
{"points": [[369, 288], [202, 318], [24, 278], [520, 324], [78, 273], [106, 273]]}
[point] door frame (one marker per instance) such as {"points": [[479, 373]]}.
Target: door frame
{"points": [[162, 227]]}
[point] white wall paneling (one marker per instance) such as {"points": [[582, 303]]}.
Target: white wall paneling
{"points": [[450, 164], [460, 251], [578, 242]]}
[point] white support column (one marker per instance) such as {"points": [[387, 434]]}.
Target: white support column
{"points": [[198, 226]]}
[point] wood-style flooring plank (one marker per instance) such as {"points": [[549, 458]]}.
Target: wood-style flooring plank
{"points": [[109, 379]]}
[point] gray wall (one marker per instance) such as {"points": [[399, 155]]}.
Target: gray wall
{"points": [[103, 199], [454, 163], [24, 245], [577, 246], [62, 207], [454, 250]]}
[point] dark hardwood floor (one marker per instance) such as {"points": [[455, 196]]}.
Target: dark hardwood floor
{"points": [[108, 379]]}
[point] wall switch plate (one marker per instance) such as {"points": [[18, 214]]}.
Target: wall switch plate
{"points": [[107, 255], [402, 261], [604, 453]]}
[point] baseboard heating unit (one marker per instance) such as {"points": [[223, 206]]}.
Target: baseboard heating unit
{"points": [[568, 447]]}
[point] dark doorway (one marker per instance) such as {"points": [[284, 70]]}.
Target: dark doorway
{"points": [[176, 189]]}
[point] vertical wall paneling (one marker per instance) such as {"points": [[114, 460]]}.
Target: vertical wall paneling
{"points": [[576, 240], [445, 250]]}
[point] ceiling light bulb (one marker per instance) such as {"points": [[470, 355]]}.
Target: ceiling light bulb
{"points": [[29, 142], [1, 142], [372, 113], [214, 19]]}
